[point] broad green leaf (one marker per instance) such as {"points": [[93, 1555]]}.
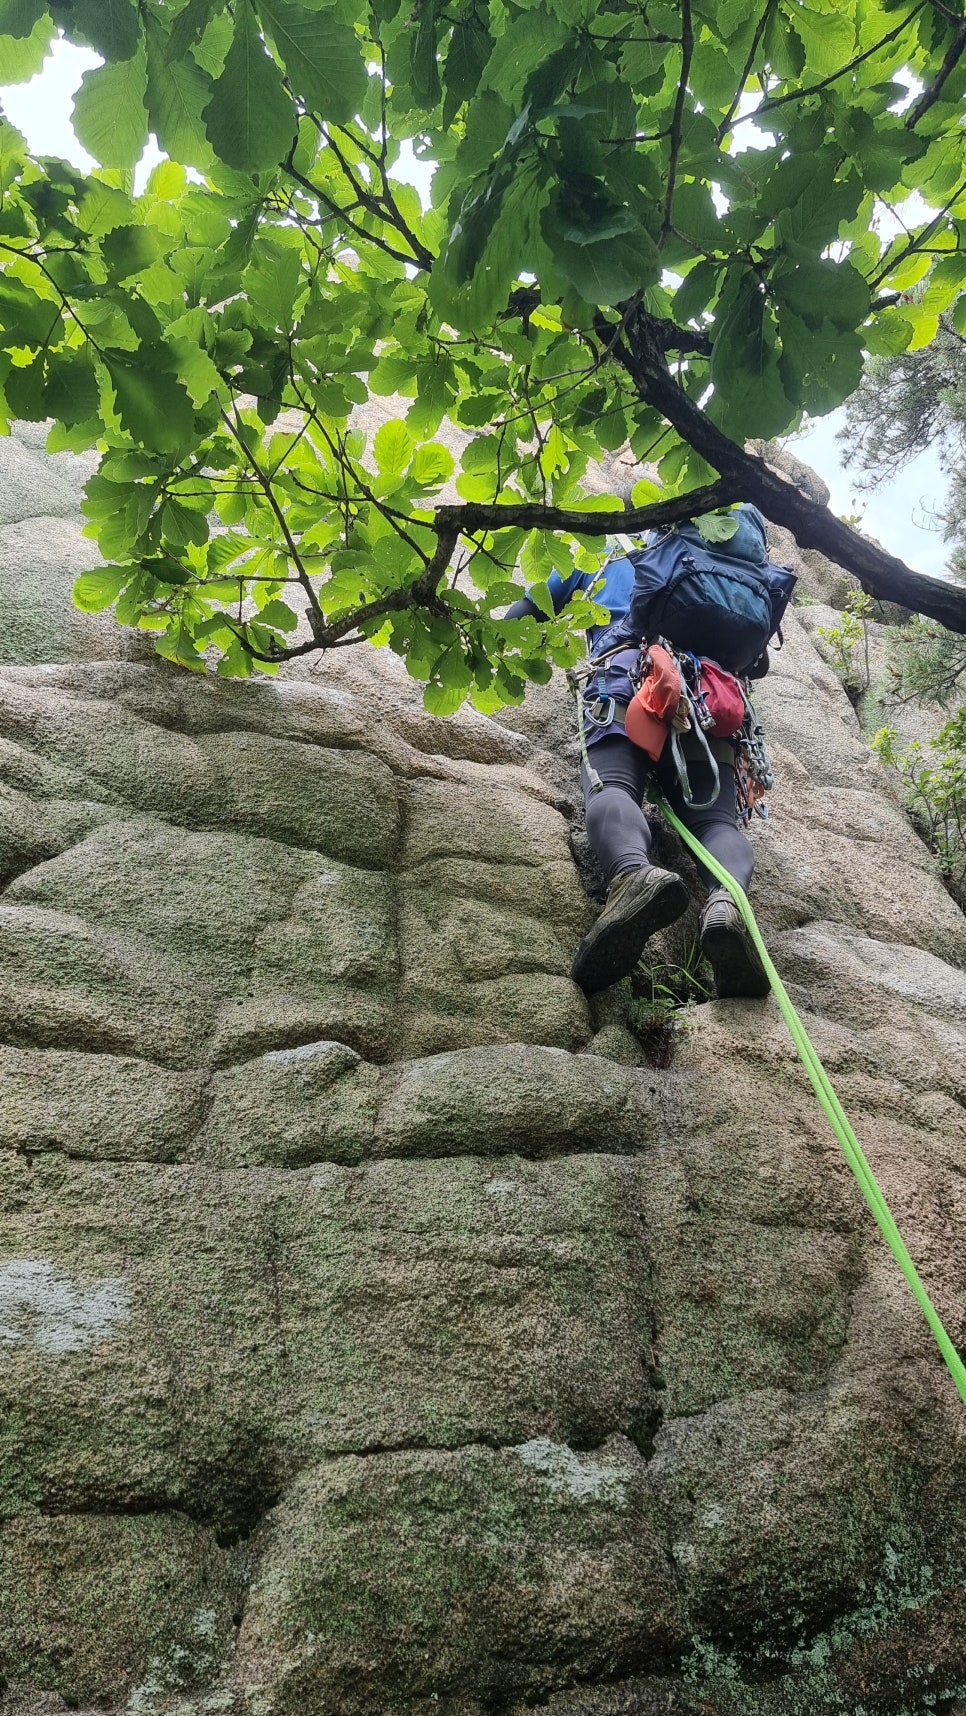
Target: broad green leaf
{"points": [[818, 290], [749, 397], [609, 272], [717, 526], [322, 57], [446, 698], [152, 406], [129, 250], [18, 17], [71, 393], [828, 37], [190, 23], [888, 333], [109, 26], [95, 591], [102, 209], [195, 369], [177, 93], [109, 113], [249, 118], [432, 464], [25, 318], [392, 448], [22, 56]]}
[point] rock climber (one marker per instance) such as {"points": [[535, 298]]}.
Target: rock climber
{"points": [[641, 896]]}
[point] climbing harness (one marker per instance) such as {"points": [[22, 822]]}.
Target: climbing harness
{"points": [[837, 1118], [713, 704]]}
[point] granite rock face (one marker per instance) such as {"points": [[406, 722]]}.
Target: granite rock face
{"points": [[374, 1344]]}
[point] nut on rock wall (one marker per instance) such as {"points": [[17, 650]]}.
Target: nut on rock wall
{"points": [[373, 1344]]}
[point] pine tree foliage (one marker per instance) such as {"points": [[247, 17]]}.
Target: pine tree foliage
{"points": [[601, 261]]}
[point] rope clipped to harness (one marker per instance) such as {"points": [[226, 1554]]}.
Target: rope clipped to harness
{"points": [[837, 1118]]}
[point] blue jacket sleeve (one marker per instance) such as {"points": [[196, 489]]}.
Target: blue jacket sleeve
{"points": [[561, 590]]}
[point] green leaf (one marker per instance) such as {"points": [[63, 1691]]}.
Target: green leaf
{"points": [[250, 119], [102, 208], [153, 407], [109, 113], [108, 26], [190, 23], [276, 613], [71, 394], [749, 394], [818, 291], [820, 366], [828, 37], [432, 464], [21, 57], [470, 48], [392, 448], [94, 591], [888, 333], [443, 700], [423, 64], [25, 318], [611, 271], [177, 94], [18, 17], [322, 57], [129, 250], [717, 526]]}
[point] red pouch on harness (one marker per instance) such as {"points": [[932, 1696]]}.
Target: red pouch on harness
{"points": [[724, 698], [648, 716]]}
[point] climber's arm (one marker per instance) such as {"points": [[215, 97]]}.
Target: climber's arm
{"points": [[561, 590]]}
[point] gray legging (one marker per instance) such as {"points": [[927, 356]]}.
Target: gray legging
{"points": [[618, 830]]}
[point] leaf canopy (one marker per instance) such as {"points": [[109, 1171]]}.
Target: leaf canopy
{"points": [[679, 225]]}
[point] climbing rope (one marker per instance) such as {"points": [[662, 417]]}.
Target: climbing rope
{"points": [[838, 1120]]}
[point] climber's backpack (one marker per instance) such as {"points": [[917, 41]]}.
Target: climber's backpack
{"points": [[720, 600]]}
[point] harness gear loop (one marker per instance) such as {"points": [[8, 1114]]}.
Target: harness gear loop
{"points": [[681, 768], [834, 1112], [593, 778]]}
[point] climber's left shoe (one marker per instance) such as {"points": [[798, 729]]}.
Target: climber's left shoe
{"points": [[729, 949]]}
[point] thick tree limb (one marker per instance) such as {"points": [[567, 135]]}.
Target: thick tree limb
{"points": [[474, 516], [813, 526]]}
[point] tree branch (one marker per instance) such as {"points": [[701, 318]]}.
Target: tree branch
{"points": [[534, 515], [813, 526], [749, 67], [951, 59]]}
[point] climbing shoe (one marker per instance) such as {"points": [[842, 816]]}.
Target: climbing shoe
{"points": [[638, 903], [729, 949]]}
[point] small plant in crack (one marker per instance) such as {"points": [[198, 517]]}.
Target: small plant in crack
{"points": [[848, 646], [658, 996]]}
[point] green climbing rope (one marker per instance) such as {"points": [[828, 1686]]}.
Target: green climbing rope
{"points": [[838, 1120]]}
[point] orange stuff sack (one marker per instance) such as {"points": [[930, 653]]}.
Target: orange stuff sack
{"points": [[647, 721]]}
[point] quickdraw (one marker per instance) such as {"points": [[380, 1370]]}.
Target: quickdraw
{"points": [[754, 775]]}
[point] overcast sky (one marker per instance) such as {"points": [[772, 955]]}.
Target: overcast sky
{"points": [[898, 514]]}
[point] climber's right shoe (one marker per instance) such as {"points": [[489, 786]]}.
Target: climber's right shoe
{"points": [[638, 903], [729, 949]]}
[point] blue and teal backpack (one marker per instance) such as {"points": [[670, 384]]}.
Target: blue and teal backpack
{"points": [[721, 600]]}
